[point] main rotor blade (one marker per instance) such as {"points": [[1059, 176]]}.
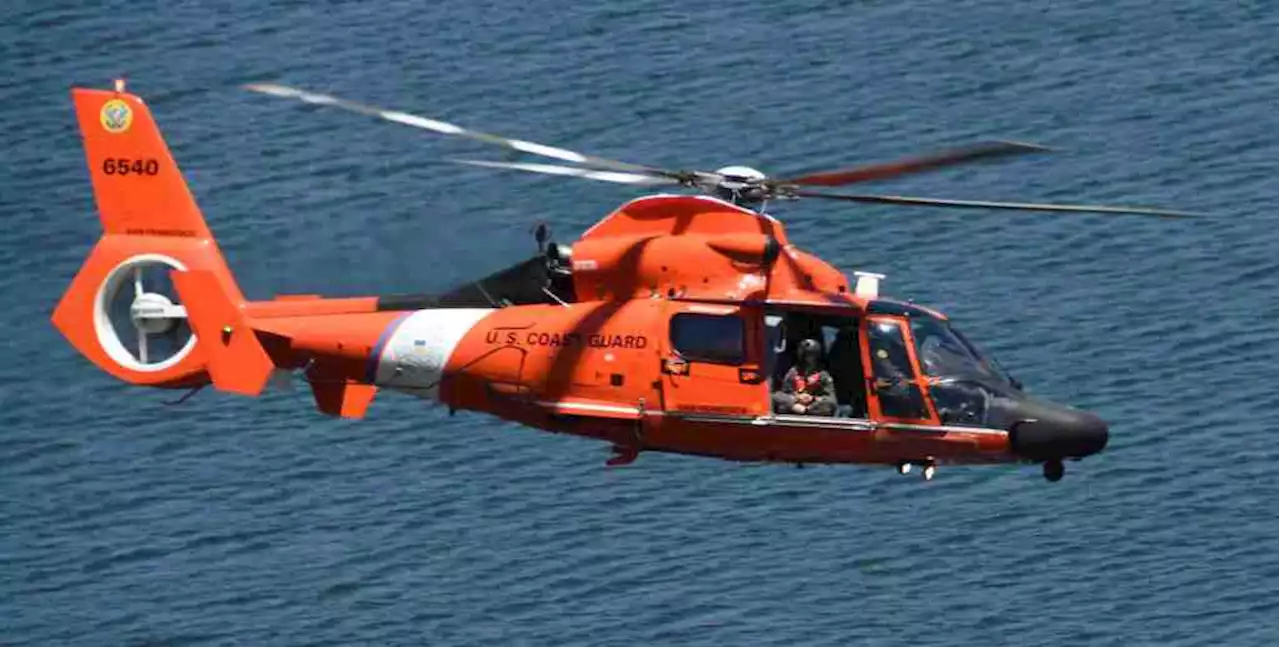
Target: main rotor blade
{"points": [[982, 204], [570, 171], [985, 150], [446, 128]]}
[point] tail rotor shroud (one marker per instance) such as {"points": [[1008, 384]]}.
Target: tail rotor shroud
{"points": [[139, 320]]}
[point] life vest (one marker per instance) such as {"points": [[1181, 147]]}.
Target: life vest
{"points": [[804, 384]]}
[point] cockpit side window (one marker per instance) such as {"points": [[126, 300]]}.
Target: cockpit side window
{"points": [[894, 380], [710, 338], [889, 351], [945, 353], [964, 385]]}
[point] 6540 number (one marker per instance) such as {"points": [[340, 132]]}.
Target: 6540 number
{"points": [[127, 166]]}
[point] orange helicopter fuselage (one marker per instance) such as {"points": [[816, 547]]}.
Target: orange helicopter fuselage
{"points": [[607, 366]]}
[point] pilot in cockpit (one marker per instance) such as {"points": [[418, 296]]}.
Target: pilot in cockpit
{"points": [[806, 389]]}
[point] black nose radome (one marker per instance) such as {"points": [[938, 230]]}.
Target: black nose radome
{"points": [[1048, 431]]}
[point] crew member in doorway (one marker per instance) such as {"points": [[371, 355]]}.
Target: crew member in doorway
{"points": [[806, 389]]}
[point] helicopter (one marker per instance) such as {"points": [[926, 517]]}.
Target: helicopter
{"points": [[668, 326]]}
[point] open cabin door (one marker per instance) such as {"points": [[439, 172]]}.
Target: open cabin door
{"points": [[895, 387], [711, 364], [838, 329]]}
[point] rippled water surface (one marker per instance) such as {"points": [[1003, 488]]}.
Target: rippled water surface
{"points": [[229, 521]]}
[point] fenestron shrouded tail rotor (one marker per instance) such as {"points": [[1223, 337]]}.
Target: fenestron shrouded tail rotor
{"points": [[138, 318], [740, 184]]}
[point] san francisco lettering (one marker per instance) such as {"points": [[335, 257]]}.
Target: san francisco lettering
{"points": [[565, 339]]}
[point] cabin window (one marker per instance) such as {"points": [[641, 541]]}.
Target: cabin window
{"points": [[709, 338]]}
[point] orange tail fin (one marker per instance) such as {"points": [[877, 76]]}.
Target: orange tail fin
{"points": [[137, 185], [121, 311]]}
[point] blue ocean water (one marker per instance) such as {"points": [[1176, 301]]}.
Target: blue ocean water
{"points": [[229, 521]]}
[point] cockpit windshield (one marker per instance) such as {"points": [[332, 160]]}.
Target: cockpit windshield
{"points": [[945, 353], [968, 388]]}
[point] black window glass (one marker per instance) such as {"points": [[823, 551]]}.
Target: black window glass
{"points": [[945, 353], [889, 351], [709, 338], [892, 372], [941, 353]]}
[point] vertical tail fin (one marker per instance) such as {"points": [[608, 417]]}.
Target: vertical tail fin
{"points": [[137, 185], [122, 311]]}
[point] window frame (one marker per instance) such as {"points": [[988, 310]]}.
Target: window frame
{"points": [[917, 380]]}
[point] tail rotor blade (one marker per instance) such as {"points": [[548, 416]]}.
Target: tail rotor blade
{"points": [[983, 204]]}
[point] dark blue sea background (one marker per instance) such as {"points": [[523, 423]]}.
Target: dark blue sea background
{"points": [[230, 521]]}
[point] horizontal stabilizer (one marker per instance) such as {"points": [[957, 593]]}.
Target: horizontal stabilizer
{"points": [[344, 399], [237, 361]]}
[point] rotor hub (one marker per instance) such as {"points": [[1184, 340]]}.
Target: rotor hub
{"points": [[740, 185], [739, 177], [152, 313]]}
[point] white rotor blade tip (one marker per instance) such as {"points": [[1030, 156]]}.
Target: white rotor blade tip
{"points": [[268, 88], [421, 122], [317, 99], [548, 151]]}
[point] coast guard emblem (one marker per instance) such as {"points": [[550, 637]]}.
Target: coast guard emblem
{"points": [[116, 116]]}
